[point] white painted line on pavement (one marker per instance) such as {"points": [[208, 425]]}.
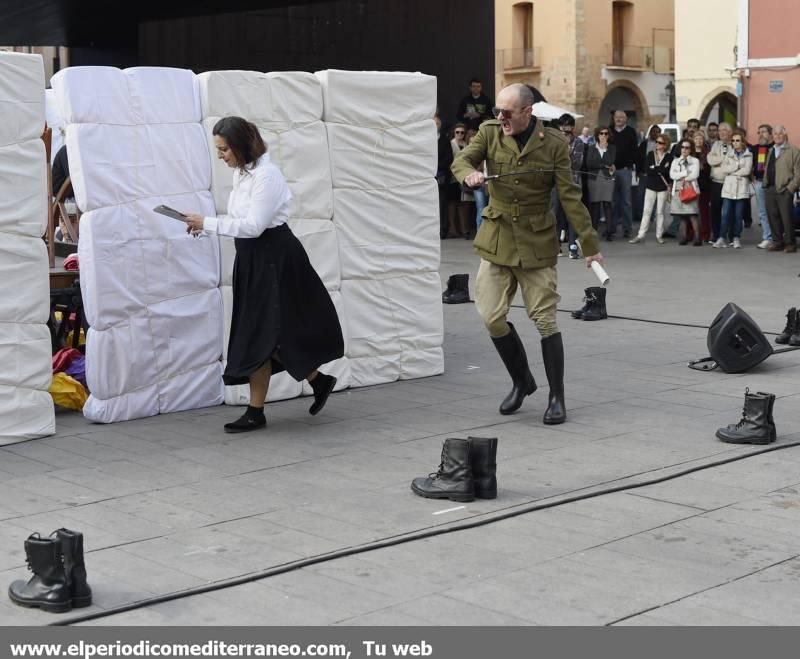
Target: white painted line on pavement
{"points": [[447, 510]]}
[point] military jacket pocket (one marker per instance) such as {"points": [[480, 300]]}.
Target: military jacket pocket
{"points": [[489, 232], [499, 164], [545, 240]]}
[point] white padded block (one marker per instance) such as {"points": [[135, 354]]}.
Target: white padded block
{"points": [[186, 332], [382, 158], [165, 95], [25, 353], [377, 98], [200, 387], [301, 153], [287, 97], [386, 233], [22, 112], [25, 414], [134, 405], [112, 164], [371, 325], [55, 120], [421, 363], [121, 359], [390, 316], [416, 302], [24, 279], [23, 188], [380, 369], [131, 256], [227, 251], [319, 240], [95, 94]]}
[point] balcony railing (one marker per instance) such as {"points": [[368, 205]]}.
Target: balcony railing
{"points": [[519, 59], [641, 58]]}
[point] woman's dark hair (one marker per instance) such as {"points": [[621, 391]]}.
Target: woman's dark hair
{"points": [[243, 139]]}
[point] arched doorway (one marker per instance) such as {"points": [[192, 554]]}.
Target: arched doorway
{"points": [[721, 107], [622, 97]]}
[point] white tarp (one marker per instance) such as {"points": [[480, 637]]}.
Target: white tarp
{"points": [[26, 408], [150, 290]]}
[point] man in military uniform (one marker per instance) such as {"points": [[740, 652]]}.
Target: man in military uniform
{"points": [[517, 241]]}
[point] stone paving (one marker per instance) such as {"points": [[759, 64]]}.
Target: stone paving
{"points": [[172, 503]]}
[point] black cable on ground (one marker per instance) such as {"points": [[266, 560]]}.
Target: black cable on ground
{"points": [[518, 510]]}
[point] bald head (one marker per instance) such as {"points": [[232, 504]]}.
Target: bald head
{"points": [[514, 105]]}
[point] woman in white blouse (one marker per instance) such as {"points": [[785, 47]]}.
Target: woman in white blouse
{"points": [[283, 317], [685, 172]]}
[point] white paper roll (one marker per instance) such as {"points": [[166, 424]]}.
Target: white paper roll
{"points": [[602, 275]]}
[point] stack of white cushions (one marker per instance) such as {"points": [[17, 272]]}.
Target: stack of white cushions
{"points": [[287, 108], [382, 142], [26, 408], [151, 291]]}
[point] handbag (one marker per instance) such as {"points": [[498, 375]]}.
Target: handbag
{"points": [[688, 194]]}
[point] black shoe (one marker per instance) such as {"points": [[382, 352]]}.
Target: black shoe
{"points": [[754, 426], [74, 567], [626, 234], [483, 460], [596, 304], [790, 329], [323, 386], [587, 303], [667, 235], [252, 419], [698, 243], [512, 352], [47, 589], [553, 356], [453, 479], [457, 291]]}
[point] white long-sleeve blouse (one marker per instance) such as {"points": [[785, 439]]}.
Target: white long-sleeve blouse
{"points": [[259, 200]]}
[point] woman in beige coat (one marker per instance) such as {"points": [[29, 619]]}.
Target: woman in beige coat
{"points": [[737, 166]]}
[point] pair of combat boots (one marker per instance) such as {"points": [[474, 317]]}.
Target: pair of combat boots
{"points": [[468, 469], [594, 307], [59, 574], [791, 333], [757, 425]]}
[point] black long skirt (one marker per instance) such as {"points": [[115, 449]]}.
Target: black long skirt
{"points": [[281, 310]]}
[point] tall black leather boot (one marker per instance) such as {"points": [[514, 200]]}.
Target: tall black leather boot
{"points": [[457, 290], [773, 433], [483, 458], [597, 304], [790, 329], [578, 313], [754, 426], [47, 589], [553, 355], [512, 352], [74, 567], [453, 480]]}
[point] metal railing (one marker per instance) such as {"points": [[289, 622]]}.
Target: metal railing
{"points": [[510, 59], [660, 59]]}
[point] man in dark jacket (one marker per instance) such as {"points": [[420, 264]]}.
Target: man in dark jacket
{"points": [[626, 141], [475, 106]]}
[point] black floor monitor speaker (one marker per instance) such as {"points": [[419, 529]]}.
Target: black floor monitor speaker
{"points": [[735, 342]]}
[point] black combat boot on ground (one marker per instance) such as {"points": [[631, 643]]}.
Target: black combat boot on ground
{"points": [[754, 426], [252, 419], [596, 299], [553, 356], [794, 339], [457, 290], [74, 567], [773, 433], [483, 458], [512, 352], [47, 589], [790, 329], [578, 313], [323, 386], [453, 480]]}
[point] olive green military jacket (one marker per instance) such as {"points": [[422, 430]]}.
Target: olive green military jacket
{"points": [[518, 227]]}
